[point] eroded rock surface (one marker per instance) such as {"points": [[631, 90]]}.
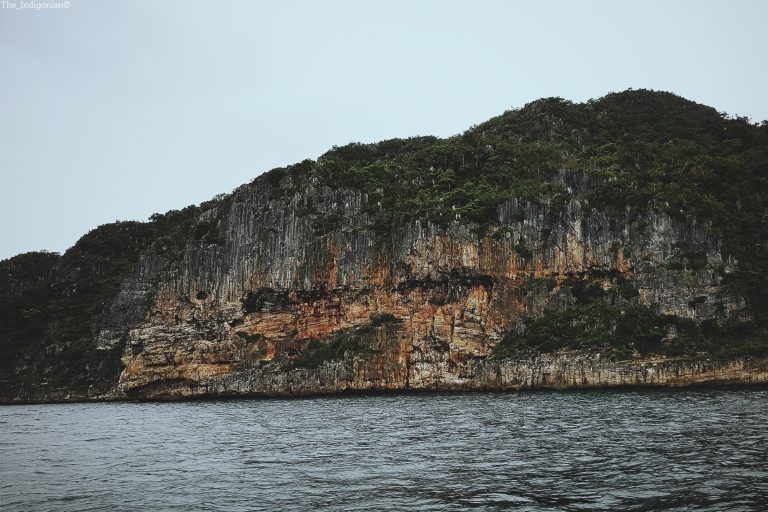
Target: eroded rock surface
{"points": [[236, 317]]}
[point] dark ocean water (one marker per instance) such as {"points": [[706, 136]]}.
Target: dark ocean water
{"points": [[652, 450]]}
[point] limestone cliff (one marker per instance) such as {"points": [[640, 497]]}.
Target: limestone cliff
{"points": [[289, 286]]}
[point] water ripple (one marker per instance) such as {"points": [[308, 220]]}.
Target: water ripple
{"points": [[673, 450]]}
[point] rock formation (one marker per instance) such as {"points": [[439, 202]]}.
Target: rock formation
{"points": [[296, 292]]}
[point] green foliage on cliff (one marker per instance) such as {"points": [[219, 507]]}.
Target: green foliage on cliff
{"points": [[356, 342], [50, 305], [174, 229], [615, 324], [24, 296], [641, 149], [622, 332], [619, 331]]}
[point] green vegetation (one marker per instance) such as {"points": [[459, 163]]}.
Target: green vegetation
{"points": [[172, 230], [347, 342], [50, 303], [612, 322], [642, 147], [24, 297], [620, 331]]}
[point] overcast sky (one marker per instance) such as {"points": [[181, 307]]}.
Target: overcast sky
{"points": [[118, 109]]}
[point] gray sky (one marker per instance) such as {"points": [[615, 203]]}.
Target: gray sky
{"points": [[118, 109]]}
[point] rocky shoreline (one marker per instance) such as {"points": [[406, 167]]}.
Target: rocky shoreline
{"points": [[553, 372]]}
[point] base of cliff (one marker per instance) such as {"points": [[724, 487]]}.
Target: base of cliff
{"points": [[564, 371]]}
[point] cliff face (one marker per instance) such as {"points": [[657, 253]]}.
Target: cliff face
{"points": [[300, 294], [234, 317]]}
